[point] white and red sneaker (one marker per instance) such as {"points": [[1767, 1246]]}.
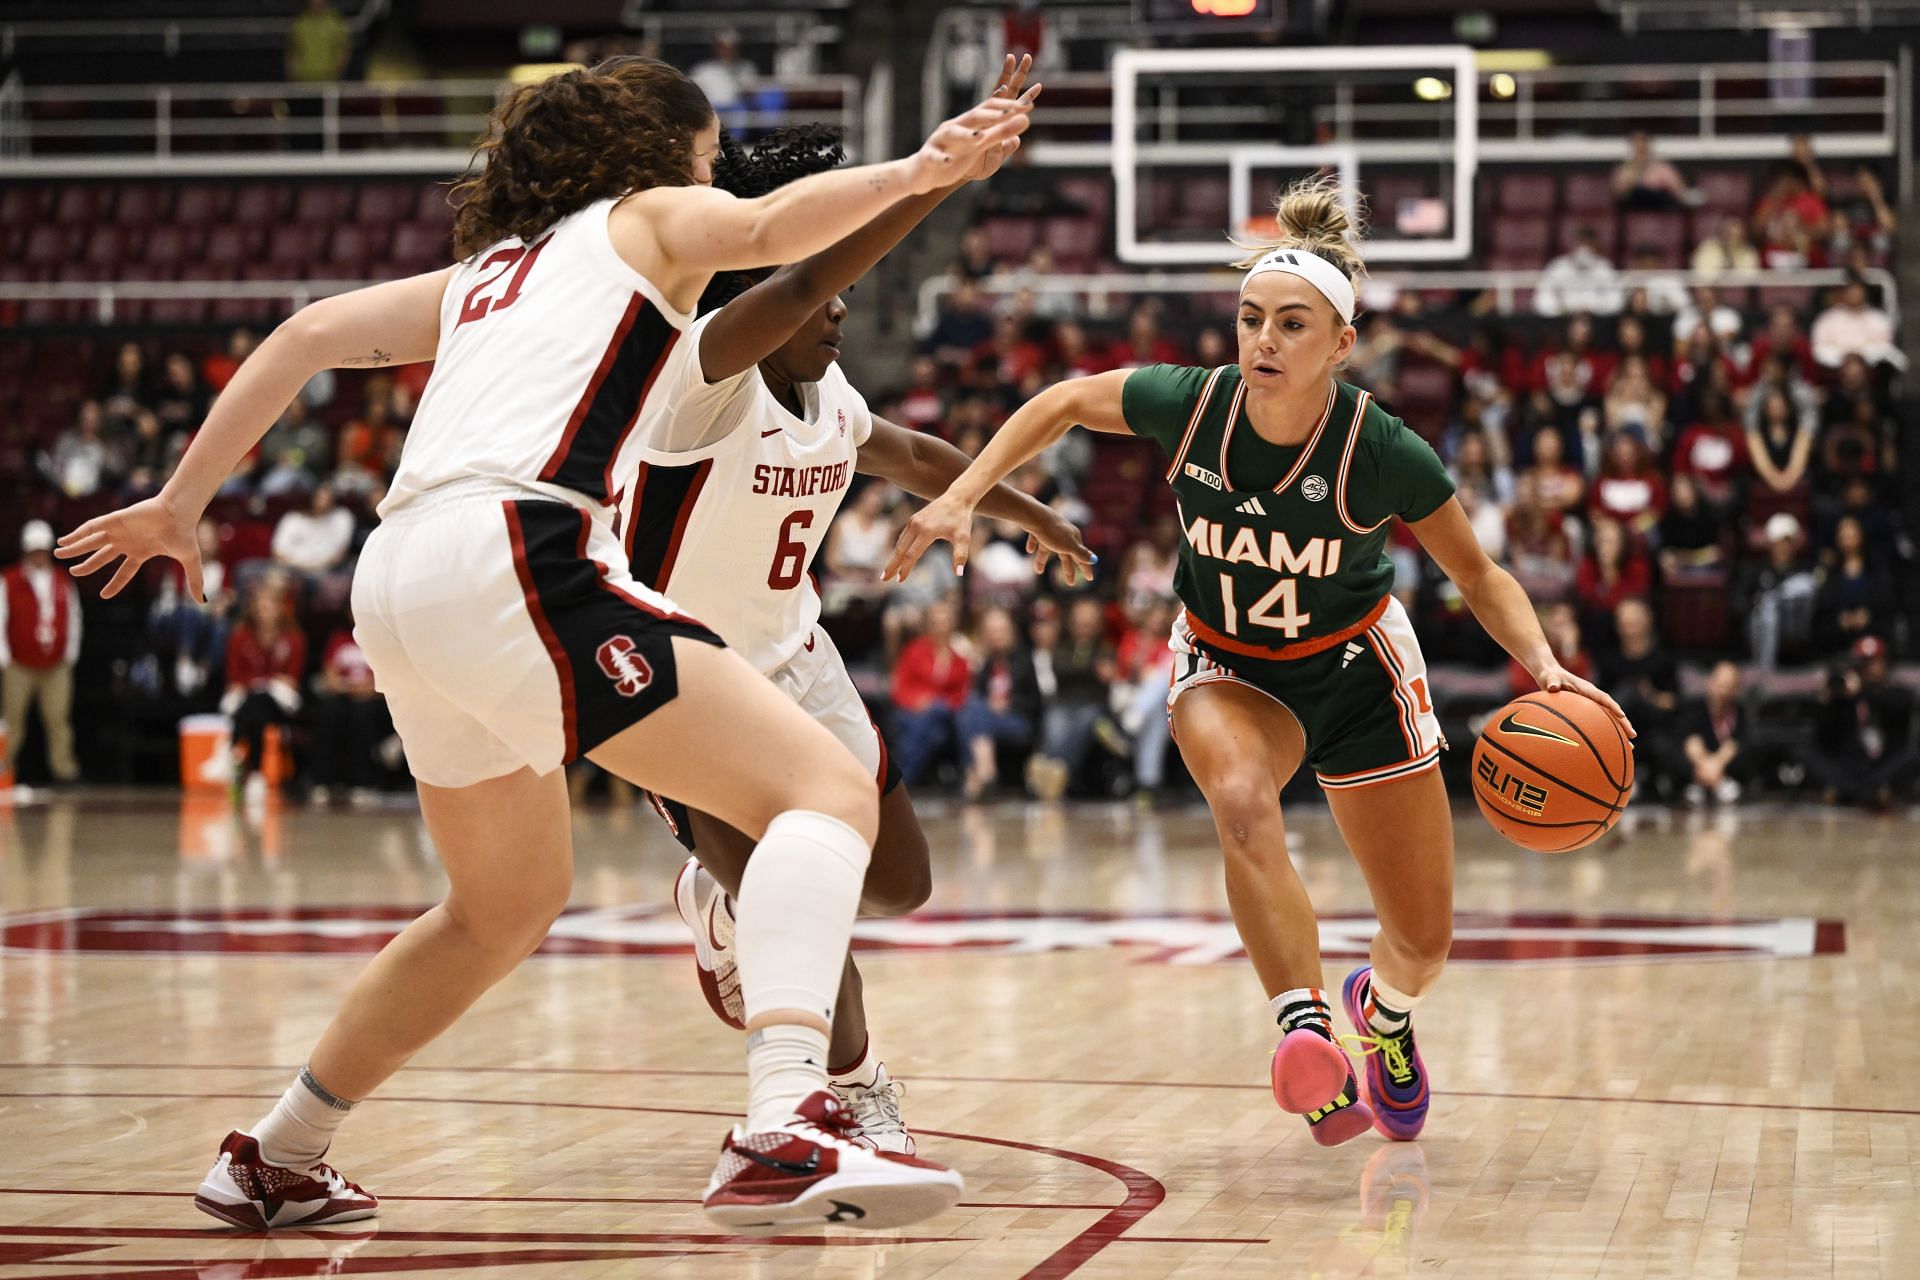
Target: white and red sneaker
{"points": [[708, 912], [254, 1194], [813, 1172], [875, 1109]]}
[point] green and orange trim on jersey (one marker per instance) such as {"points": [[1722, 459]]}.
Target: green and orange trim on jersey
{"points": [[1193, 422], [1306, 450], [1360, 404]]}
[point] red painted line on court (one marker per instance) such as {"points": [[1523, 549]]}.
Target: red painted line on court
{"points": [[1810, 1108], [1144, 1192], [170, 1195]]}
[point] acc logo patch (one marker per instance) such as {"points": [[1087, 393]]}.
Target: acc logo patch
{"points": [[1313, 488], [621, 663]]}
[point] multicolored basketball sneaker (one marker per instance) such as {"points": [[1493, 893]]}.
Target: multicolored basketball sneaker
{"points": [[1395, 1078], [813, 1171], [708, 913], [1312, 1077], [254, 1194]]}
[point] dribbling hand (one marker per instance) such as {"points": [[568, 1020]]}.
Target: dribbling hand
{"points": [[134, 536], [1557, 677]]}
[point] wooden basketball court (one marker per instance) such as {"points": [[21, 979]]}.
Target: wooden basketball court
{"points": [[1686, 1053]]}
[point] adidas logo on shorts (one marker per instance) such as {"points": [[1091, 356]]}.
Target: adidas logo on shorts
{"points": [[1353, 651]]}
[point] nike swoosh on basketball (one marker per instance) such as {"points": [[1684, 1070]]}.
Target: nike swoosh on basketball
{"points": [[1512, 725], [792, 1168]]}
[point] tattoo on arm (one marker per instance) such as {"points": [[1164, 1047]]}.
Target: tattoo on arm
{"points": [[378, 357]]}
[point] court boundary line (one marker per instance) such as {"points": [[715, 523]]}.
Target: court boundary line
{"points": [[1145, 1193], [1495, 1095]]}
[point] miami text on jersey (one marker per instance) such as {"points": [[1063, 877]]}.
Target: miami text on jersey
{"points": [[1267, 548]]}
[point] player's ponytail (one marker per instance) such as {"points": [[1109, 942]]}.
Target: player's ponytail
{"points": [[1311, 216]]}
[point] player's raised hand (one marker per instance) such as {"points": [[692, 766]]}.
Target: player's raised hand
{"points": [[1059, 537], [1557, 677], [134, 536], [1011, 85], [958, 147], [945, 517]]}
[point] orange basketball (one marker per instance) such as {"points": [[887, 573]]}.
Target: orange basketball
{"points": [[1552, 771]]}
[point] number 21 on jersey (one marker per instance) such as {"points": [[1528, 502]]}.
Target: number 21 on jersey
{"points": [[481, 302], [1281, 596]]}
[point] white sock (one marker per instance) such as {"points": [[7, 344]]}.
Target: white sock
{"points": [[860, 1073], [1303, 1007], [300, 1127], [1388, 1010], [794, 919]]}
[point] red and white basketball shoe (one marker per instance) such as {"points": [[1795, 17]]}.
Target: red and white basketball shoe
{"points": [[812, 1171], [708, 913], [256, 1195], [875, 1109]]}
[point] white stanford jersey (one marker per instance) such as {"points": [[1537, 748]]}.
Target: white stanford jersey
{"points": [[548, 356], [728, 529]]}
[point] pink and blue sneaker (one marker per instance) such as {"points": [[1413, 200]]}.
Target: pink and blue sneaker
{"points": [[1394, 1079]]}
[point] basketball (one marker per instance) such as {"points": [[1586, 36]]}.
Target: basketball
{"points": [[1552, 771]]}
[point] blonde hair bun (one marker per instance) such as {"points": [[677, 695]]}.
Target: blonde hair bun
{"points": [[1311, 215]]}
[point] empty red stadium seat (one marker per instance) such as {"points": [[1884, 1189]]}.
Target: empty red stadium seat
{"points": [[1665, 232], [294, 244], [323, 202], [1521, 238], [226, 245], [142, 204], [164, 245], [349, 252], [1726, 190], [384, 202], [1203, 202], [198, 204], [48, 245], [1587, 193], [422, 246], [1094, 194], [1526, 192], [20, 206], [79, 204], [1603, 227], [1075, 241], [260, 203], [1011, 239], [106, 249]]}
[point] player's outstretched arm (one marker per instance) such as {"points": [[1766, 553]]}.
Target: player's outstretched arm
{"points": [[677, 234], [1094, 403], [926, 465], [393, 323], [753, 325], [1501, 604]]}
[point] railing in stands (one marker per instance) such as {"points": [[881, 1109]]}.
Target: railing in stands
{"points": [[1751, 15], [169, 33], [1098, 291], [212, 129]]}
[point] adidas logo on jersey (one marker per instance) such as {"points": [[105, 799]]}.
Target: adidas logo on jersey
{"points": [[1204, 476], [1251, 507], [1353, 651]]}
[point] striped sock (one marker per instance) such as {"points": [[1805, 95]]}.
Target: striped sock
{"points": [[1303, 1008], [1388, 1010]]}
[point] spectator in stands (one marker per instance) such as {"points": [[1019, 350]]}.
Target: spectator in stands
{"points": [[193, 632], [128, 389], [1878, 519], [1645, 680], [1075, 673], [1634, 403], [920, 404], [1643, 181], [1473, 462], [1013, 359], [39, 643], [999, 571], [350, 723], [319, 42], [1629, 487], [862, 536], [1664, 292], [1581, 280], [1794, 197], [930, 682], [311, 544], [1699, 365], [1713, 451], [81, 463], [727, 77], [1614, 569], [1004, 704], [1144, 343], [266, 661], [1073, 355], [181, 402], [1852, 328], [1630, 342], [1856, 597], [1714, 730], [1782, 339], [1864, 733], [1789, 246], [1692, 534], [149, 456], [370, 444], [1864, 222], [962, 326], [1776, 596], [1705, 307], [1485, 514], [1728, 249], [1146, 571], [1558, 485], [1030, 279], [1561, 625], [976, 255], [218, 369], [293, 453], [1539, 553], [1857, 448], [1143, 668]]}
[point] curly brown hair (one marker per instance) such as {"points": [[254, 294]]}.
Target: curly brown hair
{"points": [[555, 147]]}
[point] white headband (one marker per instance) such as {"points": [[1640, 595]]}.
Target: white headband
{"points": [[1316, 271]]}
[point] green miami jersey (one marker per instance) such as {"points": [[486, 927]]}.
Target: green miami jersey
{"points": [[1285, 546]]}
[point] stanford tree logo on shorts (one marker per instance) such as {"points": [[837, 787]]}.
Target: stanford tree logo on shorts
{"points": [[623, 665]]}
